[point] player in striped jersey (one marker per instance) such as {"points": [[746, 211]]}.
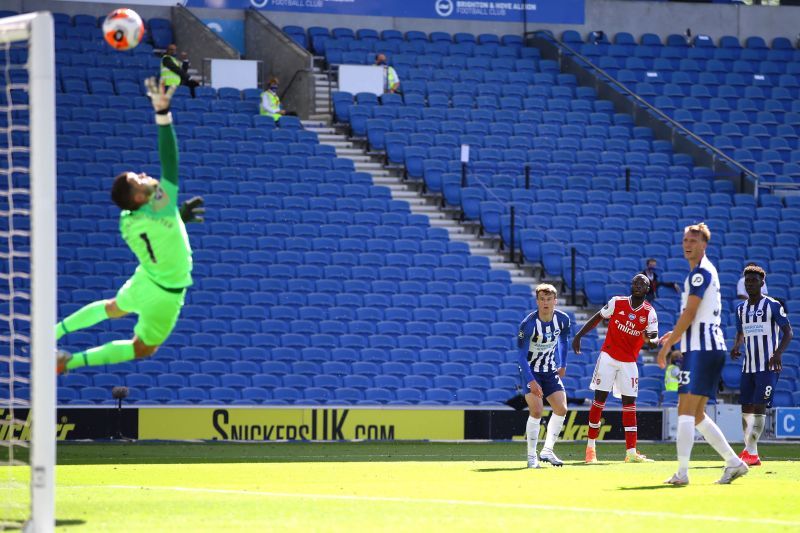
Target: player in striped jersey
{"points": [[542, 343], [759, 319], [703, 347]]}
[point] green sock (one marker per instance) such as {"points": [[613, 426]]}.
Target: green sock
{"points": [[85, 317], [107, 354]]}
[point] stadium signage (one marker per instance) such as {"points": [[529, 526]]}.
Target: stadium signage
{"points": [[74, 424], [22, 431], [326, 424], [787, 422], [340, 424], [507, 425], [245, 424], [544, 11]]}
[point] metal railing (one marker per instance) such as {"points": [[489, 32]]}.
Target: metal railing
{"points": [[294, 77], [511, 244], [716, 153]]}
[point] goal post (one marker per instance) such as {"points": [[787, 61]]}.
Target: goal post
{"points": [[29, 190]]}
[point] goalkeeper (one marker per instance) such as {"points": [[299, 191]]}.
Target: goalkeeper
{"points": [[153, 228]]}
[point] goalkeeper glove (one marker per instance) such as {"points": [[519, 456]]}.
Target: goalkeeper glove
{"points": [[192, 210], [160, 96]]}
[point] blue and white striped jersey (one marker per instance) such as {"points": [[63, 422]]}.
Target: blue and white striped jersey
{"points": [[760, 324], [543, 345], [704, 333]]}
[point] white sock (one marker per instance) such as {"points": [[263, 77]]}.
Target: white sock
{"points": [[532, 434], [757, 428], [631, 451], [554, 426], [590, 443], [747, 426], [684, 442], [713, 435]]}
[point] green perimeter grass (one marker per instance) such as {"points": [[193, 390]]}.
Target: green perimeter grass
{"points": [[410, 487]]}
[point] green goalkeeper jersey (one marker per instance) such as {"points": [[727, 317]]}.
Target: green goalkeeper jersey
{"points": [[155, 232]]}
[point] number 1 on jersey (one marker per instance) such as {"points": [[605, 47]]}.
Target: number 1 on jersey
{"points": [[149, 247]]}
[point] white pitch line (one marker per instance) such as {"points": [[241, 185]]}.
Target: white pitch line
{"points": [[387, 458], [266, 459], [471, 503]]}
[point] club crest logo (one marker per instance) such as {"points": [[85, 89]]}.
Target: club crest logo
{"points": [[444, 8]]}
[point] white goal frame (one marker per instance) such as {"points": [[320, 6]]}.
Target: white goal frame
{"points": [[37, 30]]}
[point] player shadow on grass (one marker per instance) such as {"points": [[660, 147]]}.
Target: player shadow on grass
{"points": [[17, 525], [490, 470], [651, 487]]}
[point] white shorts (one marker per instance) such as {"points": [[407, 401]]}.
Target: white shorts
{"points": [[610, 374]]}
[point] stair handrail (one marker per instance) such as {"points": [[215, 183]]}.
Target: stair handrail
{"points": [[547, 35]]}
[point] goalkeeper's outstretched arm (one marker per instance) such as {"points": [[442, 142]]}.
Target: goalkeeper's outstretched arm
{"points": [[161, 96], [168, 152]]}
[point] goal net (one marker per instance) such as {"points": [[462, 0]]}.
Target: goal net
{"points": [[27, 272]]}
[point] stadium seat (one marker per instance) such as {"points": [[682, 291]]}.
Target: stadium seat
{"points": [[304, 262]]}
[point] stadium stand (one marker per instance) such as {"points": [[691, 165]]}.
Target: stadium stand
{"points": [[304, 270], [313, 286], [528, 116], [739, 97]]}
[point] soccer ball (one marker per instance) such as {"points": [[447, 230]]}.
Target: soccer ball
{"points": [[123, 29]]}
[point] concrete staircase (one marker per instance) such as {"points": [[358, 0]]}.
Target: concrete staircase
{"points": [[325, 83], [414, 193]]}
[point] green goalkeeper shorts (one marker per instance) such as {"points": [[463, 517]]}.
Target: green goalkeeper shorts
{"points": [[158, 308]]}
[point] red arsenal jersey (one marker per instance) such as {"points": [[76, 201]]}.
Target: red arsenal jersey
{"points": [[627, 327]]}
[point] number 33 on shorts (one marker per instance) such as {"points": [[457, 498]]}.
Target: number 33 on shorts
{"points": [[683, 378]]}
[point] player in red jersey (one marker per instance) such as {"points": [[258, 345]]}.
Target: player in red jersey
{"points": [[631, 322]]}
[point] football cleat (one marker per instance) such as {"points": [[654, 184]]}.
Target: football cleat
{"points": [[750, 459], [732, 472], [533, 462], [678, 480], [62, 358], [548, 456], [591, 456], [637, 457]]}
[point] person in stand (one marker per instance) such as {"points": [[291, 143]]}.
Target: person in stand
{"points": [[651, 271], [175, 72], [270, 104], [673, 372], [391, 82]]}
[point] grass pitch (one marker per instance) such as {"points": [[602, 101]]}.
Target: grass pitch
{"points": [[411, 487]]}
